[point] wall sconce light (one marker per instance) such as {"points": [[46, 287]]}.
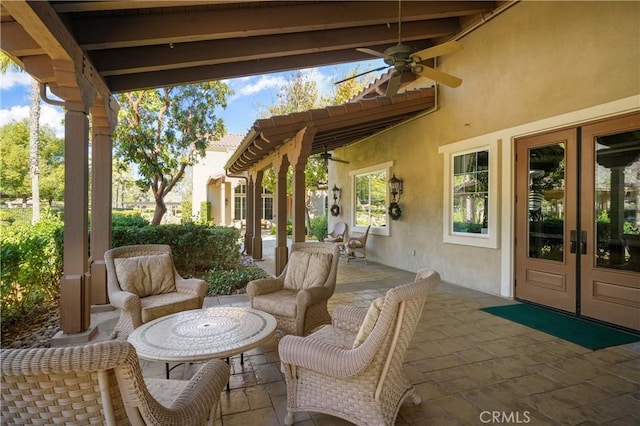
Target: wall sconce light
{"points": [[226, 201], [336, 194], [335, 208], [395, 185]]}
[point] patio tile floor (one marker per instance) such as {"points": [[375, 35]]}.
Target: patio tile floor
{"points": [[467, 365]]}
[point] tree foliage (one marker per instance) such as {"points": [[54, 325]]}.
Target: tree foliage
{"points": [[300, 93], [163, 131], [15, 181]]}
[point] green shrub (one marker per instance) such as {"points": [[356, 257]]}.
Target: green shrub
{"points": [[31, 264], [319, 227], [195, 247], [129, 218], [272, 231], [6, 218], [185, 211], [227, 281], [205, 212]]}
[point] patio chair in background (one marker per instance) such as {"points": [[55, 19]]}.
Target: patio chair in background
{"points": [[102, 383], [338, 234], [297, 298], [144, 284], [356, 247], [352, 368]]}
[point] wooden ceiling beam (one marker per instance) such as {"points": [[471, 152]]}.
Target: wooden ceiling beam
{"points": [[147, 80], [15, 40], [180, 55], [102, 32], [98, 6], [46, 28]]}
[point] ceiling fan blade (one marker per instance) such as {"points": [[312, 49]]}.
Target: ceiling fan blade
{"points": [[439, 76], [361, 74], [439, 50], [371, 52], [394, 83]]}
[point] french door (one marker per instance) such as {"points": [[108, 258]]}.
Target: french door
{"points": [[578, 220]]}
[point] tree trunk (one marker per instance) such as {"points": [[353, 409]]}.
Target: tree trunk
{"points": [[161, 209], [34, 135]]}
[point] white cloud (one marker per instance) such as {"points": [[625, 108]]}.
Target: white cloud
{"points": [[49, 115], [53, 117], [249, 88], [14, 78]]}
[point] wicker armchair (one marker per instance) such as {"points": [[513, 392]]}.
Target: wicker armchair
{"points": [[338, 234], [356, 247], [144, 284], [298, 297], [102, 383], [353, 369]]}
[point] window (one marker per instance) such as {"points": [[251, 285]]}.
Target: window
{"points": [[470, 194], [371, 198], [240, 200], [240, 203]]}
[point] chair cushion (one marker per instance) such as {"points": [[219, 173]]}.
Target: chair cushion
{"points": [[334, 336], [354, 244], [281, 303], [160, 305], [306, 269], [146, 275], [369, 322]]}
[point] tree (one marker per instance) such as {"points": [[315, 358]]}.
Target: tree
{"points": [[14, 152], [163, 131], [34, 121]]}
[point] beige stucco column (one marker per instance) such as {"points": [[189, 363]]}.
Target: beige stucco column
{"points": [[248, 228], [281, 254], [104, 119], [298, 157], [257, 214], [75, 286]]}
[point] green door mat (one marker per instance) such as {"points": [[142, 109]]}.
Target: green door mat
{"points": [[581, 332]]}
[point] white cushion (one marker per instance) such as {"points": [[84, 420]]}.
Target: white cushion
{"points": [[307, 269], [146, 275], [369, 322]]}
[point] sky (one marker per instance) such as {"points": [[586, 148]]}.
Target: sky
{"points": [[243, 107]]}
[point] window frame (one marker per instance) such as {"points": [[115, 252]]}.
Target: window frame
{"points": [[491, 238], [375, 230]]}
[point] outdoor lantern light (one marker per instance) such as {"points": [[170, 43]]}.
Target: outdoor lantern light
{"points": [[335, 209], [395, 185], [336, 194], [396, 188]]}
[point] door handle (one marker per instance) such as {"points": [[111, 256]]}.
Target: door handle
{"points": [[583, 242], [573, 239]]}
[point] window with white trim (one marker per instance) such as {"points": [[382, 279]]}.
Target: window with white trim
{"points": [[470, 194], [371, 198]]}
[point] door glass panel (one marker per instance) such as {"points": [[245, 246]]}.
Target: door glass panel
{"points": [[546, 202], [617, 201]]}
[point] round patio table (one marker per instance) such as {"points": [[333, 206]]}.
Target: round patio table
{"points": [[202, 334]]}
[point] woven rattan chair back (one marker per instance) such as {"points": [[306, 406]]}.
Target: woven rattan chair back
{"points": [[89, 384], [365, 384]]}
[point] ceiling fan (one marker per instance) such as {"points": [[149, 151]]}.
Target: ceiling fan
{"points": [[326, 156], [405, 58]]}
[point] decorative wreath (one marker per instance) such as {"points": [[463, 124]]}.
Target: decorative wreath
{"points": [[335, 210], [395, 211]]}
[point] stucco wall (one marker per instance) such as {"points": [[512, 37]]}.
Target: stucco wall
{"points": [[534, 62]]}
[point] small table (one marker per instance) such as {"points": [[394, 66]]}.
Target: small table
{"points": [[202, 334]]}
